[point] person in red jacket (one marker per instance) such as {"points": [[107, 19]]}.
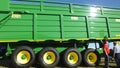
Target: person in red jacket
{"points": [[106, 52]]}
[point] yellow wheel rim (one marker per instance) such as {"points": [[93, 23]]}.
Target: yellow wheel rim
{"points": [[49, 57], [92, 57], [72, 57], [23, 57]]}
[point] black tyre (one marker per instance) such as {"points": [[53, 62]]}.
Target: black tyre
{"points": [[71, 58], [23, 57], [48, 57], [91, 57]]}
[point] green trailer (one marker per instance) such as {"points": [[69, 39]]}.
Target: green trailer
{"points": [[55, 33]]}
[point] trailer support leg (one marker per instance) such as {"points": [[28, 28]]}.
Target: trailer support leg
{"points": [[9, 50]]}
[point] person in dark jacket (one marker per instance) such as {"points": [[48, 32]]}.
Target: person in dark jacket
{"points": [[116, 53]]}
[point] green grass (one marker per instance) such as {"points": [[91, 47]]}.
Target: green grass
{"points": [[111, 64]]}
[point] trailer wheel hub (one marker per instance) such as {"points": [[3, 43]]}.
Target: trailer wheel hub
{"points": [[92, 57], [49, 57], [23, 57], [72, 58]]}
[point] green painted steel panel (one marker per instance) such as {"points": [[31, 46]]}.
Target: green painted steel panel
{"points": [[15, 28], [93, 23], [74, 27], [21, 16], [111, 12], [52, 20], [99, 34], [48, 35], [115, 34], [56, 7], [48, 27], [73, 18], [97, 27], [95, 19], [46, 23], [74, 23], [114, 24], [21, 22], [86, 10], [75, 35], [4, 5], [18, 27], [15, 35], [2, 16], [48, 17], [25, 7]]}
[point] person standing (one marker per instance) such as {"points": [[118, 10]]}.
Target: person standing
{"points": [[116, 53], [106, 52]]}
